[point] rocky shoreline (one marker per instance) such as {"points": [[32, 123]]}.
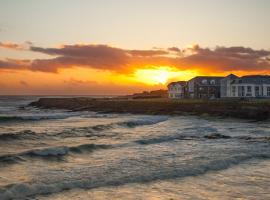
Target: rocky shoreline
{"points": [[235, 109]]}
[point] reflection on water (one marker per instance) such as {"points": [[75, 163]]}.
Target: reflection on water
{"points": [[108, 156]]}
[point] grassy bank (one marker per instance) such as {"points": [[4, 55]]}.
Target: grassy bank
{"points": [[257, 110]]}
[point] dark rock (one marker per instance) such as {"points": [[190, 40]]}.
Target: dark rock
{"points": [[217, 136], [237, 109]]}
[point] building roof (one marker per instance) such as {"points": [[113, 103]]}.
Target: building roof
{"points": [[177, 83], [207, 77], [207, 80], [232, 76], [253, 79], [199, 78]]}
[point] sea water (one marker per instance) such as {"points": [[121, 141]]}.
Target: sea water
{"points": [[59, 154]]}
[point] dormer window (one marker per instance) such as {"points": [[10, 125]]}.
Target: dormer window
{"points": [[213, 82], [204, 81]]}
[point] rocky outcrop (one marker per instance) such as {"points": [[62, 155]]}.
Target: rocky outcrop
{"points": [[237, 109]]}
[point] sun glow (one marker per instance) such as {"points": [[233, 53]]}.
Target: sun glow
{"points": [[160, 75], [153, 76]]}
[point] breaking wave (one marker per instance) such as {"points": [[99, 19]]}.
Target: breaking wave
{"points": [[10, 159], [26, 134], [82, 131], [51, 153], [24, 190], [214, 136], [143, 121], [36, 117]]}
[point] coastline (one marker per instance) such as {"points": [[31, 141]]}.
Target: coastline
{"points": [[219, 108]]}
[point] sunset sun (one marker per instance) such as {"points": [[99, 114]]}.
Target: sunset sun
{"points": [[161, 75], [152, 76]]}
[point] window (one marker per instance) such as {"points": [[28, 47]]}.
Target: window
{"points": [[268, 91], [212, 82], [233, 91], [241, 91], [204, 81], [249, 91], [257, 91]]}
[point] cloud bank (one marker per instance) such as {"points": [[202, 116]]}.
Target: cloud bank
{"points": [[104, 57]]}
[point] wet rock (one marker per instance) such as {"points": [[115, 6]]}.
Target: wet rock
{"points": [[217, 136], [257, 111]]}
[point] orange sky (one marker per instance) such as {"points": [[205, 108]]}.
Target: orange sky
{"points": [[86, 69], [121, 47]]}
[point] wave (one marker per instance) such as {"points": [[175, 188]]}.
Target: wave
{"points": [[95, 131], [9, 118], [26, 134], [169, 138], [89, 148], [10, 159], [214, 136], [51, 152], [55, 152], [37, 117], [143, 121], [89, 131], [162, 139], [89, 181]]}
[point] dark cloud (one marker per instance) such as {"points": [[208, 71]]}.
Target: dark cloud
{"points": [[147, 53], [95, 56], [103, 57], [175, 49], [227, 59], [10, 64], [24, 83]]}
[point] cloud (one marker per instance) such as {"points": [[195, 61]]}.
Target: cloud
{"points": [[226, 59], [147, 53], [11, 64], [23, 83], [93, 56], [104, 57], [14, 46], [175, 49], [9, 45]]}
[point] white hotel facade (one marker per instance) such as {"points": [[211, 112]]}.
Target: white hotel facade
{"points": [[256, 86], [231, 86]]}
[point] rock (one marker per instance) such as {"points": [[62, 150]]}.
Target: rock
{"points": [[217, 136]]}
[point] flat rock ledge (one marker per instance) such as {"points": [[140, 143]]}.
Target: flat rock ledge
{"points": [[235, 109]]}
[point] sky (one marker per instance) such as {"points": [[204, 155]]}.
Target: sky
{"points": [[103, 47]]}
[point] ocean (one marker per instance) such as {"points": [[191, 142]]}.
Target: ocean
{"points": [[63, 155]]}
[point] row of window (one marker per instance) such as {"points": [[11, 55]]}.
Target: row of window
{"points": [[247, 91], [175, 88], [212, 82]]}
